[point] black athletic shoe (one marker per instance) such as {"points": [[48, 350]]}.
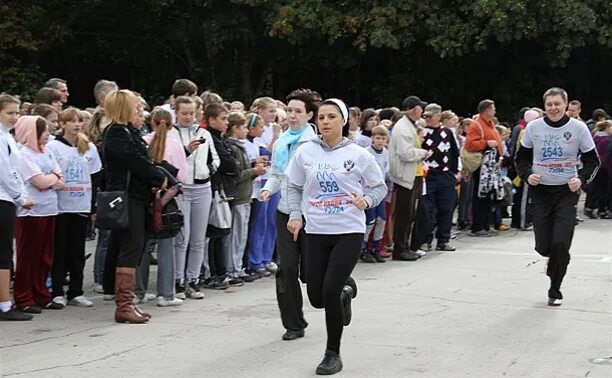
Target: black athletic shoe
{"points": [[14, 315], [367, 257], [31, 310], [293, 335], [179, 289], [54, 306], [346, 296], [331, 364]]}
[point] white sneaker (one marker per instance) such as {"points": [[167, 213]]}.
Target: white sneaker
{"points": [[109, 297], [60, 300], [420, 252], [271, 267], [97, 288], [162, 302], [80, 301], [147, 297]]}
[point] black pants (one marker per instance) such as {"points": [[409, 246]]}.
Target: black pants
{"points": [[521, 214], [597, 193], [216, 257], [291, 259], [69, 254], [481, 207], [125, 248], [553, 224], [404, 214], [440, 203], [7, 233], [329, 263]]}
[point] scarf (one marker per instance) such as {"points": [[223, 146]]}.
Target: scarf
{"points": [[25, 132], [490, 184], [285, 146]]}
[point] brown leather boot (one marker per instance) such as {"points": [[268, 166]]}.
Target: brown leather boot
{"points": [[145, 314], [125, 312]]}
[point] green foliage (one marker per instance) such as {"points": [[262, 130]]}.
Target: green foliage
{"points": [[368, 51]]}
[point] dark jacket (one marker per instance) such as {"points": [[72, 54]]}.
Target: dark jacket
{"points": [[225, 177], [245, 176], [124, 150]]}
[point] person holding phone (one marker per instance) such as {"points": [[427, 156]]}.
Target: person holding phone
{"points": [[334, 181], [196, 199]]}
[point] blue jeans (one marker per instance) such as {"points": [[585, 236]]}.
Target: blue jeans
{"points": [[100, 255], [262, 233]]}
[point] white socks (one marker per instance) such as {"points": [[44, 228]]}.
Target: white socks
{"points": [[5, 306]]}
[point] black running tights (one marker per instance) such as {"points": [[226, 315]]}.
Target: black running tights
{"points": [[329, 262]]}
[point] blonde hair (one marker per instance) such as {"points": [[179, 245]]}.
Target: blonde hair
{"points": [[261, 103], [162, 123], [387, 123], [68, 115], [446, 115], [120, 105], [380, 130]]}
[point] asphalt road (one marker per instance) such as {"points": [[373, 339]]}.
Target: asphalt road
{"points": [[478, 312]]}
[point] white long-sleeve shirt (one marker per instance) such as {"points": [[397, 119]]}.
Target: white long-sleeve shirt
{"points": [[12, 188]]}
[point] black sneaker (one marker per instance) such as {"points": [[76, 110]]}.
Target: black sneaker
{"points": [[293, 335], [179, 288], [248, 277], [589, 213], [216, 283], [347, 296], [54, 306], [445, 247], [331, 364], [14, 315], [31, 309], [367, 257], [192, 291], [234, 281]]}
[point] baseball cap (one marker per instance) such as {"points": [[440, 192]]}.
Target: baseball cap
{"points": [[411, 102]]}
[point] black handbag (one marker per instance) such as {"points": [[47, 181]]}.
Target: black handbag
{"points": [[113, 207], [167, 217]]}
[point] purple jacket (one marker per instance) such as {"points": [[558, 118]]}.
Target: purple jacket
{"points": [[603, 144]]}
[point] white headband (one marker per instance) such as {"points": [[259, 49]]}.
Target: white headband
{"points": [[341, 105]]}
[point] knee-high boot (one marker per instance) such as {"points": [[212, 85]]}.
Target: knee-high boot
{"points": [[125, 311]]}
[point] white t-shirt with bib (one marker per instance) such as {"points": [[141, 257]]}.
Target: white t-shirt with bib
{"points": [[77, 169], [328, 179], [556, 149], [35, 163]]}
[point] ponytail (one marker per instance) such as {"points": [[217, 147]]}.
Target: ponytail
{"points": [[158, 144], [82, 143], [162, 123]]}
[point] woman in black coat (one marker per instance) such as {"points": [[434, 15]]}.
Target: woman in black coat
{"points": [[127, 164]]}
